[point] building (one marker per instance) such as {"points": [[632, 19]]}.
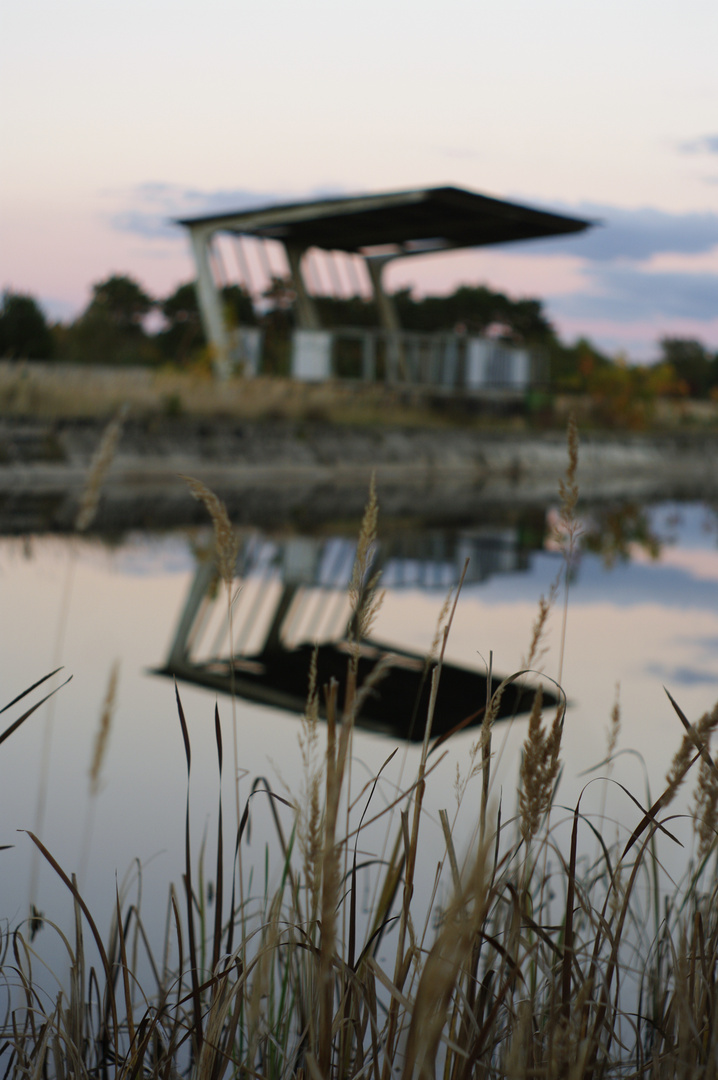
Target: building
{"points": [[352, 241]]}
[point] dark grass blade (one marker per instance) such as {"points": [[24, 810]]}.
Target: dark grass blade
{"points": [[353, 898], [185, 732], [233, 898], [90, 922], [662, 828], [649, 818], [125, 970], [29, 690], [650, 815], [180, 950], [21, 720], [691, 731], [567, 961], [352, 913], [187, 879], [219, 874], [245, 826], [115, 949], [612, 963]]}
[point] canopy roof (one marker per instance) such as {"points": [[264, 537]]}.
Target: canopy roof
{"points": [[397, 223]]}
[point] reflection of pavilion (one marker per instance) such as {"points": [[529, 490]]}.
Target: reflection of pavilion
{"points": [[293, 598]]}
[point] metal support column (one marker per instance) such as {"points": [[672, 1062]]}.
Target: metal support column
{"points": [[210, 302], [307, 317], [387, 317]]}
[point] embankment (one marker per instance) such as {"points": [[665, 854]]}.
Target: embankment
{"points": [[283, 472]]}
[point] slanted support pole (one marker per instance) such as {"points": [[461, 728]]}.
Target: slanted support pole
{"points": [[307, 316], [388, 317], [384, 303], [210, 303]]}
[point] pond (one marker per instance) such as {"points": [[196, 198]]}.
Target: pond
{"points": [[642, 614]]}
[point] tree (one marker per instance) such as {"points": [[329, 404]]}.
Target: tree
{"points": [[692, 363], [183, 332], [238, 306], [122, 301], [24, 332], [576, 367], [110, 330], [476, 308]]}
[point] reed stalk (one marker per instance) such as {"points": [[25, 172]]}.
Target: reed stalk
{"points": [[87, 510]]}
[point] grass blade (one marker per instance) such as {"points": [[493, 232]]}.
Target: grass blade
{"points": [[21, 720]]}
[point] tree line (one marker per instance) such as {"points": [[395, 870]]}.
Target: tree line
{"points": [[123, 324]]}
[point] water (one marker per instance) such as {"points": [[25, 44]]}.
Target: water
{"points": [[641, 623]]}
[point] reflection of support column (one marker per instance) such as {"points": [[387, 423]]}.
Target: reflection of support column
{"points": [[179, 649], [307, 317], [387, 316], [273, 640], [210, 303]]}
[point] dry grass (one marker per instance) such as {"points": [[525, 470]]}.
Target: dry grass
{"points": [[528, 963], [519, 972], [64, 390]]}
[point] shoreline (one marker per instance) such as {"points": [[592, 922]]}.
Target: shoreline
{"points": [[272, 473]]}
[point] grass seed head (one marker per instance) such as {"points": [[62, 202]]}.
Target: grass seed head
{"points": [[364, 599], [226, 541], [693, 742], [99, 467], [537, 650], [705, 807], [539, 768], [614, 727], [309, 809], [103, 732]]}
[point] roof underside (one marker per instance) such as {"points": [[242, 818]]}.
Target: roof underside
{"points": [[402, 223]]}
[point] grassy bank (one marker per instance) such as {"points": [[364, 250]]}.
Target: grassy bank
{"points": [[73, 391], [528, 960], [67, 391]]}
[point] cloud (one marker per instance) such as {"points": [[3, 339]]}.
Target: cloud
{"points": [[682, 675], [630, 293], [154, 206], [707, 644], [706, 144], [635, 235]]}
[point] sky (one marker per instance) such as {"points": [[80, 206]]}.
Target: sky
{"points": [[118, 117]]}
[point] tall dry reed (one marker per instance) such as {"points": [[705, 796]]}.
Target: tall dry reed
{"points": [[226, 548], [87, 510], [99, 753]]}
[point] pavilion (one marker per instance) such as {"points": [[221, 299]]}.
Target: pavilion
{"points": [[352, 241]]}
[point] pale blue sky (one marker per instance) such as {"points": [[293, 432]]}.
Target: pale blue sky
{"points": [[117, 116]]}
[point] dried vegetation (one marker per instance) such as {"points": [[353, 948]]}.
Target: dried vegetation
{"points": [[530, 962]]}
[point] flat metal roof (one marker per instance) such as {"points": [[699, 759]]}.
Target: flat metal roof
{"points": [[400, 223]]}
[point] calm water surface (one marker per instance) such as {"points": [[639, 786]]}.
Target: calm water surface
{"points": [[643, 623]]}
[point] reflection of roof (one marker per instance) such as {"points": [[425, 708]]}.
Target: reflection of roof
{"points": [[404, 223]]}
